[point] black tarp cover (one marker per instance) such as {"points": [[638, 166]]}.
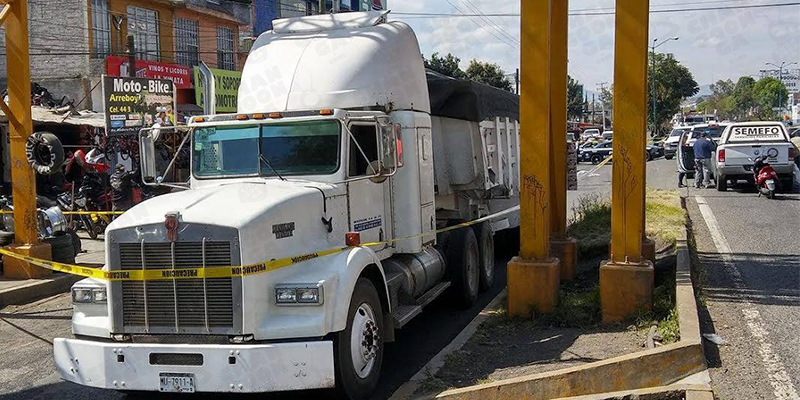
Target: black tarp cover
{"points": [[467, 100]]}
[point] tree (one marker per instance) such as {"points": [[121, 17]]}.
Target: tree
{"points": [[720, 99], [674, 83], [488, 73], [607, 99], [447, 65], [575, 101], [768, 94], [742, 101]]}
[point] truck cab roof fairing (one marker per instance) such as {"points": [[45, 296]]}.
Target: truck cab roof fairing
{"points": [[344, 68]]}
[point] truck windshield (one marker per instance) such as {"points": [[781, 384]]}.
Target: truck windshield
{"points": [[298, 148]]}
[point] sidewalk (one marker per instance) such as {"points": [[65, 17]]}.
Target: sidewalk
{"points": [[15, 291]]}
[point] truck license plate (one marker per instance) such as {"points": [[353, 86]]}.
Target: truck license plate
{"points": [[176, 383]]}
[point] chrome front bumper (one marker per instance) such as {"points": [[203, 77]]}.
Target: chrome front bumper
{"points": [[223, 368]]}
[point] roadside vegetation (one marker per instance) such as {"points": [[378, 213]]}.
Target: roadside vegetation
{"points": [[573, 333]]}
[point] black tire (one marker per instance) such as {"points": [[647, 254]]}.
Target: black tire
{"points": [[597, 159], [349, 383], [463, 266], [485, 236], [648, 156], [6, 238], [76, 241], [45, 153], [61, 248], [668, 157], [722, 183]]}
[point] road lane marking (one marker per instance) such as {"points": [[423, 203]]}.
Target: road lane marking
{"points": [[781, 383]]}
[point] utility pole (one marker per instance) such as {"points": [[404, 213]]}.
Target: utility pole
{"points": [[516, 81], [131, 56], [653, 80], [603, 103], [783, 65], [594, 112]]}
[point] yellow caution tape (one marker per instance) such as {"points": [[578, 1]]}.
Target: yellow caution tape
{"points": [[221, 271]]}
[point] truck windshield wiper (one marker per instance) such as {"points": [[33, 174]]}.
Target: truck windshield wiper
{"points": [[274, 171]]}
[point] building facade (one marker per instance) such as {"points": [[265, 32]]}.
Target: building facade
{"points": [[74, 42], [265, 11]]}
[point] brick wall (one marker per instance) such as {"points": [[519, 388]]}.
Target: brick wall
{"points": [[56, 28]]}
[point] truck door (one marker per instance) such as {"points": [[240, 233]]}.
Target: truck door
{"points": [[366, 197]]}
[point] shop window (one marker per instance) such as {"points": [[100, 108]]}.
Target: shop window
{"points": [[143, 25], [186, 44], [225, 49], [101, 29]]}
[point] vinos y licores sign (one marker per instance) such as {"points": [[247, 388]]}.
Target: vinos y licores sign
{"points": [[132, 104]]}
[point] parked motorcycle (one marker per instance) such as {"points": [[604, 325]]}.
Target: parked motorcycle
{"points": [[764, 177], [93, 196]]}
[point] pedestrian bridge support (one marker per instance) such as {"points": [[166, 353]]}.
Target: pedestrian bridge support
{"points": [[626, 279]]}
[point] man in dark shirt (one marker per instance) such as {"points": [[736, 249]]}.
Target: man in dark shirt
{"points": [[121, 189], [703, 149]]}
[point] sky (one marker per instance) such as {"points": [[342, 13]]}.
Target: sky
{"points": [[714, 45]]}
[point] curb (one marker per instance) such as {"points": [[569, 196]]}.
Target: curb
{"points": [[37, 289], [645, 371], [407, 389]]}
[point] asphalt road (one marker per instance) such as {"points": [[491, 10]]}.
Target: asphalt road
{"points": [[26, 333], [749, 248]]}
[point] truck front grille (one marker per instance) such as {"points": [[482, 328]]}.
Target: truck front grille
{"points": [[181, 303]]}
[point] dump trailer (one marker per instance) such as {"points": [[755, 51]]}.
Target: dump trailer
{"points": [[338, 202]]}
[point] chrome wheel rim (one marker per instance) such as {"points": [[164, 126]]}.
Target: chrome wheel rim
{"points": [[472, 269], [364, 340], [488, 257]]}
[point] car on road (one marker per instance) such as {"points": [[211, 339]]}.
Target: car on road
{"points": [[608, 135], [741, 143], [597, 153], [591, 133], [713, 130], [653, 152], [673, 140]]}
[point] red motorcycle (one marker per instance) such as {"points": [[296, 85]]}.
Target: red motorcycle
{"points": [[765, 177]]}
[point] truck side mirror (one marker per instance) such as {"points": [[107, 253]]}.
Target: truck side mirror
{"points": [[391, 147], [147, 155]]}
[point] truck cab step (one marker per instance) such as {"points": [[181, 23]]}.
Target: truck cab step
{"points": [[432, 294], [404, 313]]}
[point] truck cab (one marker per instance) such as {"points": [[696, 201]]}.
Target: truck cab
{"points": [[321, 217]]}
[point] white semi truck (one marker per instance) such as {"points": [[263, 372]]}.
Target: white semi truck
{"points": [[341, 139]]}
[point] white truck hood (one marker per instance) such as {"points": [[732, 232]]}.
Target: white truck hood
{"points": [[235, 205]]}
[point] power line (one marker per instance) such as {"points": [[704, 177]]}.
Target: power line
{"points": [[500, 38], [592, 13]]}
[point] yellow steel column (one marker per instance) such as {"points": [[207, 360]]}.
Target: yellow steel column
{"points": [[23, 180], [626, 281], [533, 277], [561, 246]]}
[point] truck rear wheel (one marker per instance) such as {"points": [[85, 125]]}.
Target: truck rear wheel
{"points": [[463, 266], [483, 232], [359, 348]]}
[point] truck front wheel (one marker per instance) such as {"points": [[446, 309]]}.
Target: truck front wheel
{"points": [[359, 348]]}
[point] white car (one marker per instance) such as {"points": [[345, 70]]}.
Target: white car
{"points": [[741, 143], [672, 142]]}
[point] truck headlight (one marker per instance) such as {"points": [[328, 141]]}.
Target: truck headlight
{"points": [[89, 295], [286, 295]]}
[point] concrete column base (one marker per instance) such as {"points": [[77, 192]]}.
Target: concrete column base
{"points": [[532, 286], [625, 289], [566, 250], [17, 269], [649, 250]]}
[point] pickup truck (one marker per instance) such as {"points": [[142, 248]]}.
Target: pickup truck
{"points": [[742, 142]]}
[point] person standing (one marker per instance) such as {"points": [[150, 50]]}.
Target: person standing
{"points": [[703, 149]]}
